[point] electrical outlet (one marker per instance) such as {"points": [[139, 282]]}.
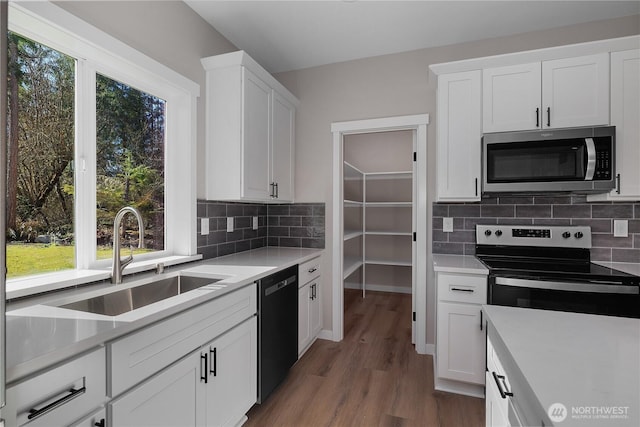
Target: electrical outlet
{"points": [[229, 224], [447, 225], [255, 222], [204, 226], [620, 228]]}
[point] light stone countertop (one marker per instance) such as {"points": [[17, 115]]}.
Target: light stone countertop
{"points": [[458, 264], [42, 335], [580, 360]]}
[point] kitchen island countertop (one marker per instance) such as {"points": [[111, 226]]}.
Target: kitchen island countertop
{"points": [[588, 363]]}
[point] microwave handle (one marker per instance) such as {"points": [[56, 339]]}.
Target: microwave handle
{"points": [[591, 159]]}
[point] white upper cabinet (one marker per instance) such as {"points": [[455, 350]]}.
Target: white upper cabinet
{"points": [[575, 91], [511, 98], [557, 93], [255, 148], [459, 136], [250, 125], [282, 153], [625, 116]]}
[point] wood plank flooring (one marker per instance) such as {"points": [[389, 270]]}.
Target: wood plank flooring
{"points": [[373, 377]]}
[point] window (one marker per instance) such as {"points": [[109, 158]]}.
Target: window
{"points": [[130, 162], [101, 126], [40, 157]]}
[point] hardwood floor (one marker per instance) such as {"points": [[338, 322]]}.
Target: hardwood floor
{"points": [[373, 377]]}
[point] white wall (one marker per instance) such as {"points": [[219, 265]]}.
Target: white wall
{"points": [[394, 85]]}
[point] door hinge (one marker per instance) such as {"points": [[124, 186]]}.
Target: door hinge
{"points": [[415, 156], [414, 236], [414, 316]]}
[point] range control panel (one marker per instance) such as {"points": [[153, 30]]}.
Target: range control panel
{"points": [[544, 233], [531, 235]]}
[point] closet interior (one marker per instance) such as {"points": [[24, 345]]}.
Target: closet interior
{"points": [[378, 211]]}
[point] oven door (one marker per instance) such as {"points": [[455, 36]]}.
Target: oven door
{"points": [[579, 297]]}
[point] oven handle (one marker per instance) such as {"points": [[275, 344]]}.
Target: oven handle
{"points": [[568, 286], [591, 159]]}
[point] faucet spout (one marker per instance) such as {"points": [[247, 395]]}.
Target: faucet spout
{"points": [[120, 264]]}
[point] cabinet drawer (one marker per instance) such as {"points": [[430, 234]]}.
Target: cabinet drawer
{"points": [[141, 354], [462, 288], [309, 270], [61, 395]]}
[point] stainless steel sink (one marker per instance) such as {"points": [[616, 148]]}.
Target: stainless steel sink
{"points": [[125, 300]]}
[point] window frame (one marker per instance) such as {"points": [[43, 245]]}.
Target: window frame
{"points": [[97, 52]]}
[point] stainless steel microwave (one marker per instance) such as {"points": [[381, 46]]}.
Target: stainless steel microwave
{"points": [[576, 160]]}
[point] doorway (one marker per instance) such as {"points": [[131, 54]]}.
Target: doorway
{"points": [[394, 247]]}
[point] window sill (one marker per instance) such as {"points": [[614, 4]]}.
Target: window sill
{"points": [[32, 285]]}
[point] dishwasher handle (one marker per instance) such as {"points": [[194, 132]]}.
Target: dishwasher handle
{"points": [[279, 285]]}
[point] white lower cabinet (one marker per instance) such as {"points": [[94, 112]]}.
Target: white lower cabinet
{"points": [[309, 317], [495, 406], [460, 342], [61, 395], [170, 398], [460, 333], [215, 386], [231, 386]]}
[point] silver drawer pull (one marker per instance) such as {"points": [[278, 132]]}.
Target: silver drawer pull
{"points": [[312, 269], [73, 393], [463, 290]]}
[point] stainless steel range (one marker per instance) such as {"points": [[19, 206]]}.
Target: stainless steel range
{"points": [[548, 267]]}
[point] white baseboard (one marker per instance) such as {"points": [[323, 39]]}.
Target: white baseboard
{"points": [[379, 288], [326, 334], [430, 349]]}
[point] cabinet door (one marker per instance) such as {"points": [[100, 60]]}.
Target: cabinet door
{"points": [[304, 309], [511, 98], [625, 114], [575, 91], [460, 343], [231, 388], [459, 132], [171, 398], [282, 148], [256, 137], [496, 408]]}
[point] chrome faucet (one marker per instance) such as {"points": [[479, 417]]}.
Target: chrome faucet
{"points": [[118, 264]]}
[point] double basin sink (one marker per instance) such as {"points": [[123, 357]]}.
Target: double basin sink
{"points": [[126, 300]]}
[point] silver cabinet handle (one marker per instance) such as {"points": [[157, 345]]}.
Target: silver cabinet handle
{"points": [[618, 184], [538, 117], [312, 269]]}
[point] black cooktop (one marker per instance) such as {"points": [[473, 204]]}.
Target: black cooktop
{"points": [[560, 269]]}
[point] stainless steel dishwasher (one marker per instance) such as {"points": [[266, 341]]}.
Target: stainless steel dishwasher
{"points": [[277, 329]]}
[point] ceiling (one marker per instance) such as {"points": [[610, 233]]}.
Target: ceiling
{"points": [[291, 35]]}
